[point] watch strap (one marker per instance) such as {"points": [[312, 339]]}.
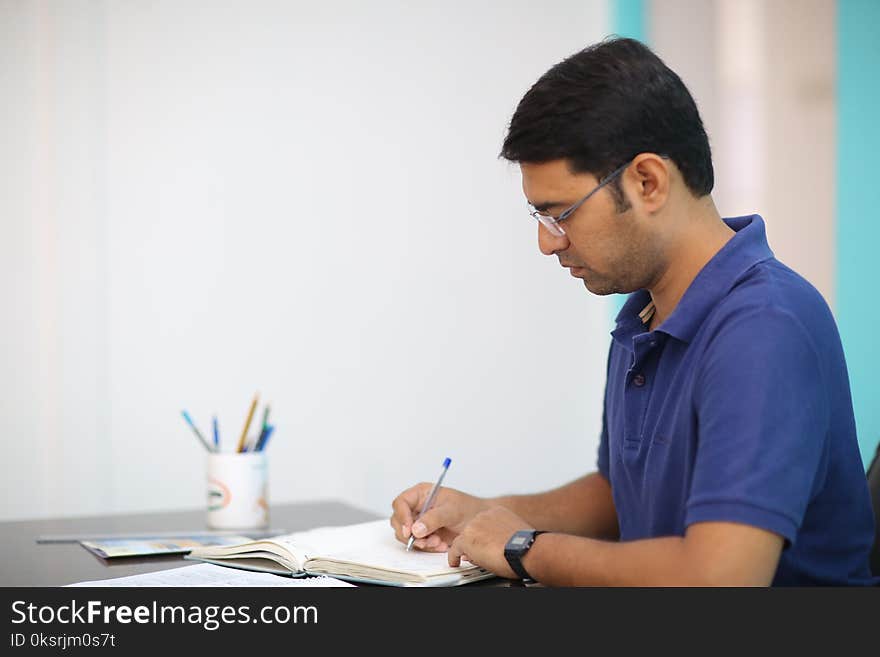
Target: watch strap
{"points": [[517, 567]]}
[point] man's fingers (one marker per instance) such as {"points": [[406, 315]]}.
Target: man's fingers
{"points": [[401, 533], [453, 555], [433, 541], [405, 506], [430, 545], [435, 519]]}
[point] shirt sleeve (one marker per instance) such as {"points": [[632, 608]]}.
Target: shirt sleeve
{"points": [[763, 422]]}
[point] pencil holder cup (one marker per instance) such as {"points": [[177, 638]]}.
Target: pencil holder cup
{"points": [[238, 490]]}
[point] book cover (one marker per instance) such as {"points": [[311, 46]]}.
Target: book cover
{"points": [[127, 547]]}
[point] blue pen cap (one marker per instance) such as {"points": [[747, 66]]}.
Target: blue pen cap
{"points": [[447, 462]]}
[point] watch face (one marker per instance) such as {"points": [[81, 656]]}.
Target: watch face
{"points": [[519, 542]]}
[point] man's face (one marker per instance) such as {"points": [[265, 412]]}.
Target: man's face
{"points": [[610, 251]]}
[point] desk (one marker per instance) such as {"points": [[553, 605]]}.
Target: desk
{"points": [[24, 562]]}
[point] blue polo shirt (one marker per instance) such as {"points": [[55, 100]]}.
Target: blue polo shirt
{"points": [[737, 408]]}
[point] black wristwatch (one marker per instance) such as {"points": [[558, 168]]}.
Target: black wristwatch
{"points": [[517, 547]]}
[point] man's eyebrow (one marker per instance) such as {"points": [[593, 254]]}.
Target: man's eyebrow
{"points": [[547, 205]]}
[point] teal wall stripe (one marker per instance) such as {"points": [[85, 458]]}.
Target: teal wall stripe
{"points": [[628, 19], [858, 219]]}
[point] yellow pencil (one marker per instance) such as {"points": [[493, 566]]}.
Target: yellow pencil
{"points": [[247, 423]]}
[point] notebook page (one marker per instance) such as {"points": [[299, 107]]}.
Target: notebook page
{"points": [[370, 544], [278, 551]]}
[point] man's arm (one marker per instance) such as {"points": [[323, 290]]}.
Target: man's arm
{"points": [[583, 507], [710, 554]]}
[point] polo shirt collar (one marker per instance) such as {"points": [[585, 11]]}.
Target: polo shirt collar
{"points": [[744, 250]]}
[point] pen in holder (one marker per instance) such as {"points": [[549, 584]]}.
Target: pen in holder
{"points": [[238, 490]]}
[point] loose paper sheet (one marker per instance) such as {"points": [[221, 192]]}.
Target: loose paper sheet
{"points": [[210, 575]]}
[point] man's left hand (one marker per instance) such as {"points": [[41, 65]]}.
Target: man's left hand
{"points": [[483, 539]]}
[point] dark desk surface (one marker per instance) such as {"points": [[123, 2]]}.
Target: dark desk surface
{"points": [[24, 562]]}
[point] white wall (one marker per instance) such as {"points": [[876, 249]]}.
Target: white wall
{"points": [[199, 202]]}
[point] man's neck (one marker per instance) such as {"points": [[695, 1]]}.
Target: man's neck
{"points": [[704, 236]]}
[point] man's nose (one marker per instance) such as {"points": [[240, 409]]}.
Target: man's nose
{"points": [[549, 243]]}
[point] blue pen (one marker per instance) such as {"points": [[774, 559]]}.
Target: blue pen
{"points": [[429, 501], [216, 435], [261, 445], [196, 431]]}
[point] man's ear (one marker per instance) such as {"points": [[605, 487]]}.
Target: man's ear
{"points": [[649, 177]]}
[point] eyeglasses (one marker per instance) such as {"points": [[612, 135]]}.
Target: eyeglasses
{"points": [[552, 224]]}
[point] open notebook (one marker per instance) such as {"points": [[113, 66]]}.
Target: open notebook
{"points": [[367, 552]]}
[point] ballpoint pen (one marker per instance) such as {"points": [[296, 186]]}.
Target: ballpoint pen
{"points": [[197, 432], [264, 438], [216, 435], [429, 501]]}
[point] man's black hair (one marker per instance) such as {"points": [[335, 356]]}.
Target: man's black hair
{"points": [[604, 105]]}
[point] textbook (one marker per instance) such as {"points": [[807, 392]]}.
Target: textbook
{"points": [[112, 548], [366, 552]]}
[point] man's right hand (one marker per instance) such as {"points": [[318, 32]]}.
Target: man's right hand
{"points": [[435, 531]]}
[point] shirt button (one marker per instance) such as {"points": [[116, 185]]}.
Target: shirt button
{"points": [[639, 380]]}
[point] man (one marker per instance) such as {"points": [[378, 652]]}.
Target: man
{"points": [[728, 453]]}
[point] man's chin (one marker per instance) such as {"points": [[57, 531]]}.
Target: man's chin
{"points": [[598, 288], [595, 288], [596, 284]]}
